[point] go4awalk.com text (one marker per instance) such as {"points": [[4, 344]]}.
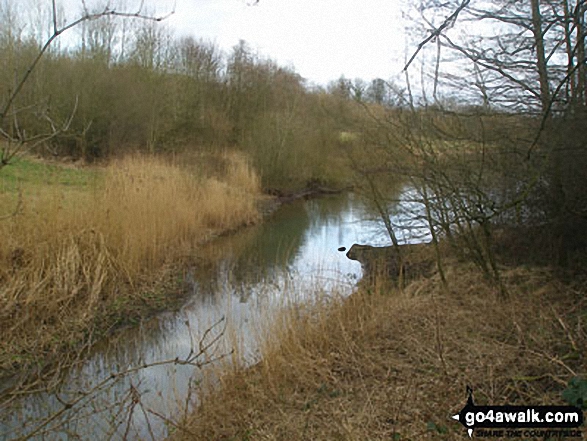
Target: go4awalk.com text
{"points": [[520, 421]]}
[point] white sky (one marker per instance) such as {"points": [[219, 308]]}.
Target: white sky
{"points": [[322, 39]]}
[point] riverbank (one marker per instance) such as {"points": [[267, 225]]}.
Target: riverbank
{"points": [[88, 249], [384, 364]]}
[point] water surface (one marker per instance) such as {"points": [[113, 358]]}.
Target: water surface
{"points": [[241, 278]]}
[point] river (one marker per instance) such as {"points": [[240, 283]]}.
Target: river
{"points": [[241, 279]]}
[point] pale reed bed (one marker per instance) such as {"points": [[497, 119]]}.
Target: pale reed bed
{"points": [[76, 260]]}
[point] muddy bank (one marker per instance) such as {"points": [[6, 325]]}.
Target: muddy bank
{"points": [[277, 197]]}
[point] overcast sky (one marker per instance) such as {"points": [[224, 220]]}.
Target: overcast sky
{"points": [[322, 39]]}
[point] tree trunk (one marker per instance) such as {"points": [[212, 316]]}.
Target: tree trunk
{"points": [[570, 63], [540, 56], [579, 20]]}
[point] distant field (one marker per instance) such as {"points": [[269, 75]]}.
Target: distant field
{"points": [[26, 172]]}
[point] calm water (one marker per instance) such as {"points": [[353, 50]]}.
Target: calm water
{"points": [[243, 278]]}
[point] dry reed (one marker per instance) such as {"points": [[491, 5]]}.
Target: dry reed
{"points": [[76, 261], [380, 366]]}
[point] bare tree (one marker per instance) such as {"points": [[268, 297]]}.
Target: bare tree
{"points": [[16, 137], [486, 150]]}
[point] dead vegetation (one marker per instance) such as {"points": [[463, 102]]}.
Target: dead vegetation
{"points": [[395, 365], [77, 261]]}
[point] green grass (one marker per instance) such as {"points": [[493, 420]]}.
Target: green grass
{"points": [[27, 172]]}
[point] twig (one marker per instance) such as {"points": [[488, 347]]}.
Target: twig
{"points": [[434, 33], [8, 153], [192, 360]]}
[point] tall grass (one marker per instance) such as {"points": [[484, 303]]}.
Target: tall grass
{"points": [[74, 261], [387, 365]]}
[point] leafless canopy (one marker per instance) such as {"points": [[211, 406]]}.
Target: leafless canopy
{"points": [[16, 137]]}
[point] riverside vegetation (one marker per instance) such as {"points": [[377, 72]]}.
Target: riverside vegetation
{"points": [[394, 364], [92, 248], [179, 141]]}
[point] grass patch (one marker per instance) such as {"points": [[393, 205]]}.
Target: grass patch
{"points": [[78, 259], [384, 365], [29, 173]]}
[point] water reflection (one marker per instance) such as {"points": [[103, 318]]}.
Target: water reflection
{"points": [[242, 278]]}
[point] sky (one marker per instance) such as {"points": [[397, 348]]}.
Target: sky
{"points": [[321, 39]]}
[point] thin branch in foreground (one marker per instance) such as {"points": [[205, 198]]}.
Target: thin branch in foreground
{"points": [[7, 153], [197, 358], [435, 33]]}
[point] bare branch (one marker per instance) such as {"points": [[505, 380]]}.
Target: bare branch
{"points": [[54, 16], [197, 358], [20, 138], [434, 33], [477, 59]]}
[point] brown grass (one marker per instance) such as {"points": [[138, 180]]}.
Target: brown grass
{"points": [[395, 365], [75, 262]]}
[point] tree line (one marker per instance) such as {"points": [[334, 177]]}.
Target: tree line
{"points": [[120, 84]]}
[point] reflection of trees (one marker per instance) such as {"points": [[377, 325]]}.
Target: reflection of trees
{"points": [[327, 210], [257, 253], [266, 252]]}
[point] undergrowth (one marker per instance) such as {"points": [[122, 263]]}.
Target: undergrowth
{"points": [[390, 365], [77, 260]]}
